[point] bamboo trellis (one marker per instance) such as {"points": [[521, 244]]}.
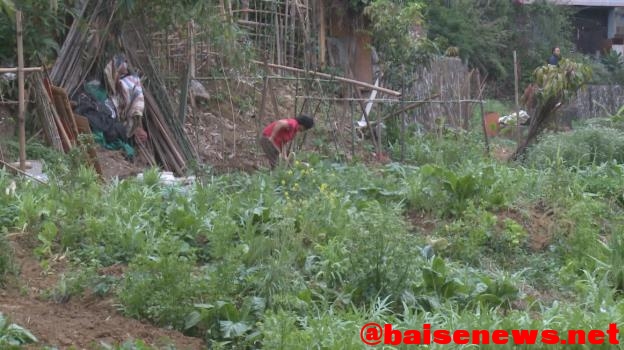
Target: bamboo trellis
{"points": [[291, 34]]}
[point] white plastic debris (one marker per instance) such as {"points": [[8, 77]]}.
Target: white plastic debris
{"points": [[513, 119], [167, 178]]}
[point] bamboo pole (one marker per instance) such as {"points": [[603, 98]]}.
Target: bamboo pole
{"points": [[346, 80], [274, 100], [515, 57], [321, 34], [487, 141], [22, 172], [20, 83], [401, 110], [24, 69], [352, 124], [264, 89], [192, 64], [278, 49]]}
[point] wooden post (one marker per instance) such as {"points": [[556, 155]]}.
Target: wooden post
{"points": [[515, 57], [487, 141], [278, 30], [192, 53], [402, 135], [321, 34], [352, 124], [20, 85], [265, 88]]}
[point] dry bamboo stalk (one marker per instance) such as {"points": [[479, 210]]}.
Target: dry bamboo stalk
{"points": [[22, 172], [264, 90], [227, 84], [20, 83], [346, 80], [25, 70], [64, 107], [67, 145], [322, 39], [161, 125], [46, 113], [278, 50], [274, 100], [293, 30], [147, 155]]}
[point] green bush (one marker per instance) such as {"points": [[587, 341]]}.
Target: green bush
{"points": [[160, 289], [6, 259], [580, 148]]}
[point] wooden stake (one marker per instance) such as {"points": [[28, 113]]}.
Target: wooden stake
{"points": [[487, 141], [265, 89], [22, 172], [321, 34], [192, 65], [516, 88], [20, 85], [274, 100], [278, 43]]}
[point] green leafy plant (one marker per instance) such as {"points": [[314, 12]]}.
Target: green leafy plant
{"points": [[394, 28], [7, 266], [13, 336], [555, 86], [613, 61], [43, 27], [160, 289]]}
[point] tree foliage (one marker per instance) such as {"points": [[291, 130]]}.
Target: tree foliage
{"points": [[159, 15], [43, 26], [487, 33], [554, 86], [477, 28], [395, 27]]}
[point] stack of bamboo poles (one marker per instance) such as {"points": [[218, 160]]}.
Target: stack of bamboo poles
{"points": [[47, 113], [83, 55], [167, 132], [83, 45]]}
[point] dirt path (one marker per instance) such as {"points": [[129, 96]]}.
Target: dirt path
{"points": [[83, 323]]}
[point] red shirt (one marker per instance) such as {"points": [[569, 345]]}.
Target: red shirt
{"points": [[285, 134]]}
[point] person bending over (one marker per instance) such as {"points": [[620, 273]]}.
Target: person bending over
{"points": [[278, 134]]}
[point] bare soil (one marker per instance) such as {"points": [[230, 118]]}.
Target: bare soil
{"points": [[114, 164], [80, 322], [538, 221]]}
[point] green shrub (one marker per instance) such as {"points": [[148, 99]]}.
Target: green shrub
{"points": [[450, 149], [6, 259], [580, 148], [160, 289]]}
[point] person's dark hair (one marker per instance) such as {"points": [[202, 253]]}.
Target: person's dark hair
{"points": [[306, 121]]}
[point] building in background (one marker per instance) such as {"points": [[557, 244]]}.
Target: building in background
{"points": [[599, 24]]}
